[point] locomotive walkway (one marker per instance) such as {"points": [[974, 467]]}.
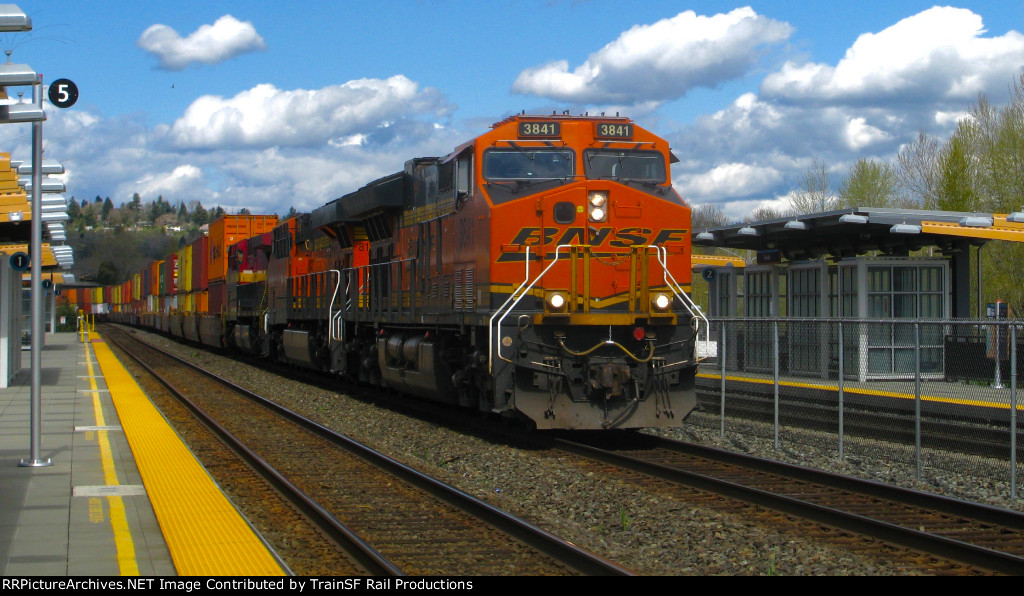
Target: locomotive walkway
{"points": [[123, 495]]}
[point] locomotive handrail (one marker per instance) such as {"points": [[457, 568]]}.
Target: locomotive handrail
{"points": [[688, 303], [491, 326], [335, 318]]}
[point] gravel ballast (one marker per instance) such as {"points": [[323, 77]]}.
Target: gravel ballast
{"points": [[650, 532]]}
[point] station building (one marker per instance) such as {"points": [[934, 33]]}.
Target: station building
{"points": [[859, 264]]}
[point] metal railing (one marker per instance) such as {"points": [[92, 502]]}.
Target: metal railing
{"points": [[935, 395]]}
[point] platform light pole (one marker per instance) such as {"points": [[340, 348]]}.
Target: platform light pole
{"points": [[13, 19]]}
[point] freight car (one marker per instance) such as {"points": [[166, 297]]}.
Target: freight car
{"points": [[539, 271]]}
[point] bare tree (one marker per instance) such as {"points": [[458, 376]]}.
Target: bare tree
{"points": [[707, 215], [815, 194], [918, 171]]}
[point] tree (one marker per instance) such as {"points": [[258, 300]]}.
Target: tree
{"points": [[956, 176], [707, 215], [870, 184], [74, 212], [815, 194], [200, 216], [918, 171], [108, 274], [108, 207]]}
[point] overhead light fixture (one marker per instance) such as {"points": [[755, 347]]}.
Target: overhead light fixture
{"points": [[748, 231], [21, 112], [16, 215], [796, 225], [904, 228], [1015, 217], [852, 218], [17, 75], [25, 169], [62, 216], [47, 185], [13, 19], [706, 237]]}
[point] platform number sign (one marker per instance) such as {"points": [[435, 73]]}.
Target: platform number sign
{"points": [[63, 93], [19, 261]]}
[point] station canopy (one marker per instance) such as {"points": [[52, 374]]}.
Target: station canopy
{"points": [[857, 231]]}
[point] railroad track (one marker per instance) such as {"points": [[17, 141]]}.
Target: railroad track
{"points": [[982, 438], [982, 538], [382, 516]]}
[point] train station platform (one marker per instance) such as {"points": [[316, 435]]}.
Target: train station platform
{"points": [[122, 494]]}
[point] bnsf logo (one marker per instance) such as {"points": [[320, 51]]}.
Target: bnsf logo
{"points": [[623, 238], [610, 237]]}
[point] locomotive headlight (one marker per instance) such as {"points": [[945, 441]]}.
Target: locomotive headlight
{"points": [[557, 301], [596, 205], [661, 302]]}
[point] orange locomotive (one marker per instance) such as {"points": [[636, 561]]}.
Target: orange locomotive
{"points": [[539, 271]]}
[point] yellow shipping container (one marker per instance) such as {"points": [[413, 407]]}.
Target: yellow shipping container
{"points": [[137, 286], [185, 270]]}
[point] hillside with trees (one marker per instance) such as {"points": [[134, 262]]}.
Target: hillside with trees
{"points": [[112, 243]]}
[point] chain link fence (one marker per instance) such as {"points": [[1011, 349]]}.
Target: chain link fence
{"points": [[938, 397]]}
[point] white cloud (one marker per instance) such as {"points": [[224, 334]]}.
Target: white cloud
{"points": [[938, 54], [178, 182], [226, 38], [661, 61], [860, 134], [266, 116], [731, 179]]}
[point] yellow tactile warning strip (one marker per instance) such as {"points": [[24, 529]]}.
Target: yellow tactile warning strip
{"points": [[204, 532], [125, 545]]}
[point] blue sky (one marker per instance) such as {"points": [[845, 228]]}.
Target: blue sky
{"points": [[271, 105]]}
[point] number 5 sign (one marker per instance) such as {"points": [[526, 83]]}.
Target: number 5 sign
{"points": [[63, 93]]}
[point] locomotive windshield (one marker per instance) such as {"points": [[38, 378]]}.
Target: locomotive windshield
{"points": [[518, 164], [625, 165]]}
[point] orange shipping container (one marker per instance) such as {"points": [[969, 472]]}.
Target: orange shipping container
{"points": [[201, 302], [153, 289], [229, 230]]}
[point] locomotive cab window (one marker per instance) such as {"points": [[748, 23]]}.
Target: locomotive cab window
{"points": [[625, 165], [515, 164]]}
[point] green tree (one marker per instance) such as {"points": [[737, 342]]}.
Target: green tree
{"points": [[870, 184], [108, 208], [957, 175]]}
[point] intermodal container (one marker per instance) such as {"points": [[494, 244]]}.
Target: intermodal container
{"points": [[185, 270], [153, 283], [170, 275], [258, 252], [201, 302], [137, 286], [200, 263], [227, 231], [218, 297]]}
